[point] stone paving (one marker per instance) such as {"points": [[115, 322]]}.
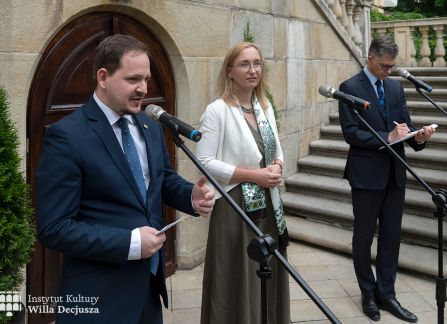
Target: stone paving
{"points": [[329, 274]]}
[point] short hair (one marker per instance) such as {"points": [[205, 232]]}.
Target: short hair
{"points": [[225, 84], [110, 50], [383, 45]]}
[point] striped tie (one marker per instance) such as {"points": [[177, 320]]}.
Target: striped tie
{"points": [[130, 151], [381, 97]]}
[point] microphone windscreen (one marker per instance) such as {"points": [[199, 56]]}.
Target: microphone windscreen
{"points": [[154, 111], [325, 90], [403, 73]]}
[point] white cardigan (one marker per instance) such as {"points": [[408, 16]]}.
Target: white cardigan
{"points": [[227, 141]]}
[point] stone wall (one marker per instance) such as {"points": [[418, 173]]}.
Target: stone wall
{"points": [[301, 49]]}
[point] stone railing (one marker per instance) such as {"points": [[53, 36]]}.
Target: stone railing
{"points": [[404, 32], [351, 20]]}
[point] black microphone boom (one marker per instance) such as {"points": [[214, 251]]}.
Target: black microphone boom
{"points": [[417, 83], [158, 113], [352, 101]]}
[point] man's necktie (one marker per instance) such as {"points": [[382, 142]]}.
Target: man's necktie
{"points": [[130, 151], [381, 97]]}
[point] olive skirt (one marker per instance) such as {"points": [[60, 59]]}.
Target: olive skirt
{"points": [[231, 287]]}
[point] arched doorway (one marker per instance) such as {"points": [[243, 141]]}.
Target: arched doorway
{"points": [[62, 83]]}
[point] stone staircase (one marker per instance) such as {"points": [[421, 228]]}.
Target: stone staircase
{"points": [[317, 199]]}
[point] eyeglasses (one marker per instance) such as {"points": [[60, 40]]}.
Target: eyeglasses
{"points": [[386, 67], [246, 66]]}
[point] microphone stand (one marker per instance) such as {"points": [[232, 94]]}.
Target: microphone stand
{"points": [[439, 199], [261, 247], [429, 99]]}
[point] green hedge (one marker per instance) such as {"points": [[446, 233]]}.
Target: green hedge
{"points": [[17, 232]]}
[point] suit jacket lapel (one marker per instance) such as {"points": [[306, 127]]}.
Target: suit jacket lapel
{"points": [[101, 126], [145, 131]]}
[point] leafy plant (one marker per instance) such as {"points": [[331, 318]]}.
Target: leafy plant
{"points": [[17, 232], [248, 36]]}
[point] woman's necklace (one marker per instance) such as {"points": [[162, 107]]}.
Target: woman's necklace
{"points": [[247, 110]]}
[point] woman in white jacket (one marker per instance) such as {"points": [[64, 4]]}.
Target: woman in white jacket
{"points": [[240, 148]]}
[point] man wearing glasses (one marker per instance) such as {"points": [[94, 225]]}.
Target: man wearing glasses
{"points": [[377, 180]]}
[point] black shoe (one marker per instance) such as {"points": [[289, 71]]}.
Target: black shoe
{"points": [[394, 307], [370, 308]]}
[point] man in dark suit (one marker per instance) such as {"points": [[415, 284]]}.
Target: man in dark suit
{"points": [[377, 180], [102, 178]]}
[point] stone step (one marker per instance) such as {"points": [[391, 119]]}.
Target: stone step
{"points": [[417, 201], [436, 95], [333, 166], [425, 108], [333, 132], [424, 71], [418, 121], [436, 82], [441, 120], [428, 158], [411, 257], [415, 229]]}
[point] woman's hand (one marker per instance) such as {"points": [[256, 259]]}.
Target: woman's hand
{"points": [[268, 177]]}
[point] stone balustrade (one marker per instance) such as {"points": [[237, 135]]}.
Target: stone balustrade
{"points": [[352, 22], [404, 33]]}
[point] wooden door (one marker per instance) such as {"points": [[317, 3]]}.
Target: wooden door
{"points": [[63, 82]]}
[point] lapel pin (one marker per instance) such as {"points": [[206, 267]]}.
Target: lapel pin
{"points": [[145, 126]]}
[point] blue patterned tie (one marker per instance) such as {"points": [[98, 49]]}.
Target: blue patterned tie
{"points": [[381, 97], [130, 151], [154, 262]]}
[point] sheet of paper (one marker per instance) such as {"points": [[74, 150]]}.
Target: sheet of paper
{"points": [[164, 229], [410, 135]]}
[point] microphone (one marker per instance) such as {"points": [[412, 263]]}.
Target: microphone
{"points": [[354, 102], [158, 113], [417, 83]]}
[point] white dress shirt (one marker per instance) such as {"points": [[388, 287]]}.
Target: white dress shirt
{"points": [[113, 117]]}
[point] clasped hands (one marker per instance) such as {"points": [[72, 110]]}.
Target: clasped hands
{"points": [[269, 177]]}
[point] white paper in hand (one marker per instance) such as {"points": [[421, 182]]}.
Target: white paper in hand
{"points": [[410, 135], [164, 229]]}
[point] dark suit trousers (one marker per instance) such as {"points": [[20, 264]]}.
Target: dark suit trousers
{"points": [[386, 206], [152, 313]]}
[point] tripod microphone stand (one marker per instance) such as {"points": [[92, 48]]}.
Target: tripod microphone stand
{"points": [[439, 199], [261, 247]]}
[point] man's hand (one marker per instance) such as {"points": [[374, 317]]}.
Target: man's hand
{"points": [[398, 132], [424, 134], [203, 198], [150, 243]]}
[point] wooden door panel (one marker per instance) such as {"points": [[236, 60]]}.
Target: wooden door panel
{"points": [[63, 82]]}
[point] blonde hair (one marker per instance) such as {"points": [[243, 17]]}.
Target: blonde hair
{"points": [[225, 83]]}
